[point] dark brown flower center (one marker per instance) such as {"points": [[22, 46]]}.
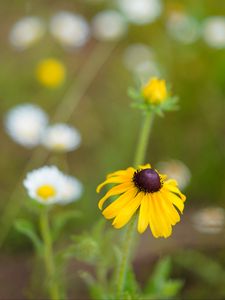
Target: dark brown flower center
{"points": [[147, 180]]}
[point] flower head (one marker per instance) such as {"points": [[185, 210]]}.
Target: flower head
{"points": [[155, 91], [145, 190], [109, 25], [141, 11], [50, 72], [45, 185], [48, 185], [214, 31], [26, 32], [61, 137], [71, 30], [25, 124]]}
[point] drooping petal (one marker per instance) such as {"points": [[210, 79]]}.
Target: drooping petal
{"points": [[117, 179], [116, 190], [126, 173], [169, 208], [176, 201], [143, 214], [114, 208], [174, 189], [164, 227], [152, 217], [165, 216], [127, 211]]}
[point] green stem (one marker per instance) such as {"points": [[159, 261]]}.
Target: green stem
{"points": [[129, 235], [48, 255]]}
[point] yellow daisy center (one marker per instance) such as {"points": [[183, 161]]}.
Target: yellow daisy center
{"points": [[50, 72], [155, 91], [46, 191]]}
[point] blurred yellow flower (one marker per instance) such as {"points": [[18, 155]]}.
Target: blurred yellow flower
{"points": [[157, 199], [50, 72], [155, 91], [46, 191]]}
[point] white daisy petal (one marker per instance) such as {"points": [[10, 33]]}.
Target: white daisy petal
{"points": [[214, 31], [61, 137], [26, 32], [72, 190], [71, 30], [109, 25], [25, 124], [141, 11]]}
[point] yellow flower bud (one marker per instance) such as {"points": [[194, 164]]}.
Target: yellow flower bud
{"points": [[155, 91]]}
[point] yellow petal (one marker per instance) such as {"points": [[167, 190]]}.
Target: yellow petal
{"points": [[116, 190], [164, 213], [164, 227], [174, 189], [117, 179], [152, 218], [169, 208], [127, 211], [114, 208], [128, 172], [176, 201], [143, 214]]}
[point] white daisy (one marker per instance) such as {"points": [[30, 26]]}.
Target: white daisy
{"points": [[72, 190], [26, 32], [45, 185], [177, 170], [209, 220], [109, 25], [141, 11], [25, 124], [214, 31], [71, 30], [61, 137], [182, 27]]}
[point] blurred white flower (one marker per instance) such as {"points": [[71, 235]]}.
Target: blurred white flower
{"points": [[177, 170], [209, 220], [26, 32], [61, 137], [45, 185], [214, 31], [182, 27], [140, 60], [109, 25], [70, 29], [141, 11], [72, 190], [25, 124]]}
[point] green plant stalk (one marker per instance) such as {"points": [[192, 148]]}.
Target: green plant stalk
{"points": [[48, 255], [129, 235]]}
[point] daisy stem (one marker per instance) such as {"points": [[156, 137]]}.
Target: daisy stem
{"points": [[129, 235], [48, 255]]}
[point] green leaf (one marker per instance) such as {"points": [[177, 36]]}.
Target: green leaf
{"points": [[132, 285], [27, 228], [160, 275], [172, 288]]}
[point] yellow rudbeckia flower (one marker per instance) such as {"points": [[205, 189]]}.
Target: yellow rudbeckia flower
{"points": [[155, 91], [145, 190], [50, 72]]}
